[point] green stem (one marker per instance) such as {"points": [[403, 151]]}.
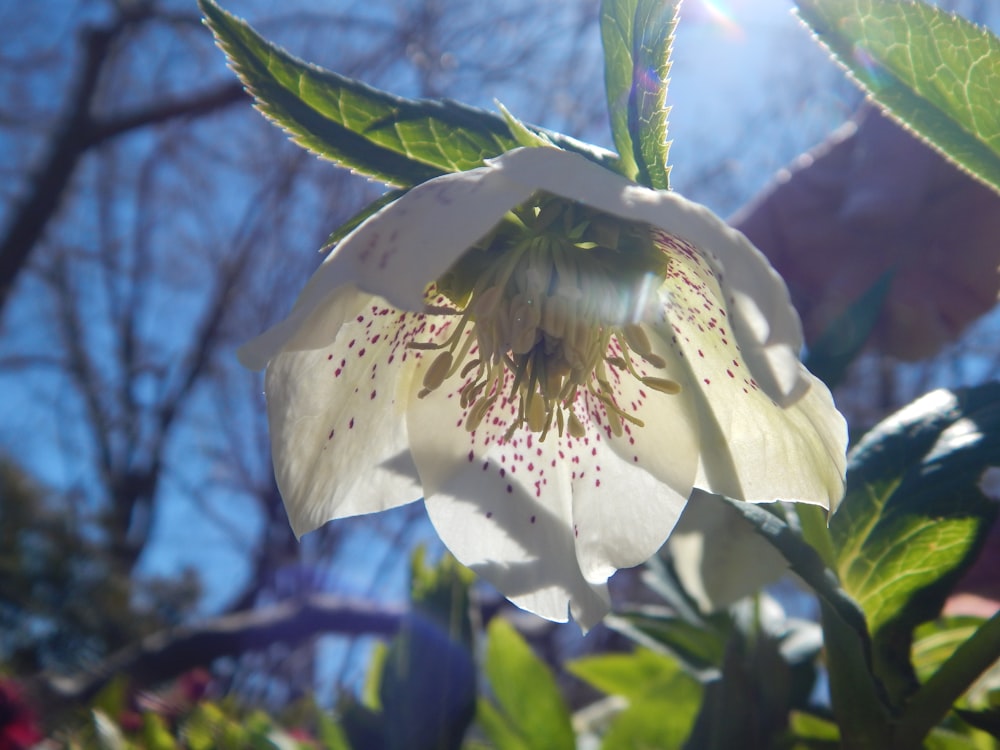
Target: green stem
{"points": [[816, 531], [857, 703], [931, 703]]}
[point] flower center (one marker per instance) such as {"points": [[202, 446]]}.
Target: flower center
{"points": [[554, 295]]}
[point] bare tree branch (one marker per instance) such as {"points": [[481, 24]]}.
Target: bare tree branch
{"points": [[78, 132], [68, 144], [199, 105], [165, 655]]}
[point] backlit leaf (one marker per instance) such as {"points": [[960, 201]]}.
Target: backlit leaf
{"points": [[936, 72]]}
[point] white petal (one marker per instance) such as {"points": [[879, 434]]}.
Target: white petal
{"points": [[339, 439], [624, 515], [718, 556], [548, 522], [667, 444], [394, 254], [752, 448], [764, 323], [314, 321], [523, 548], [411, 242]]}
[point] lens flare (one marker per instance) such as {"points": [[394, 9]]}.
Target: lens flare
{"points": [[722, 16], [878, 76]]}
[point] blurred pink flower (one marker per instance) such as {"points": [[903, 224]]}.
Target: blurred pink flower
{"points": [[18, 726], [870, 199]]}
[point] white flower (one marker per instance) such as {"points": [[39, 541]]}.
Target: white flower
{"points": [[714, 574], [553, 358]]}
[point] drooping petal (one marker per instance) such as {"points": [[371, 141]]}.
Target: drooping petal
{"points": [[718, 556], [524, 548], [753, 448], [411, 242], [339, 436], [313, 322], [549, 521], [395, 253], [792, 453]]}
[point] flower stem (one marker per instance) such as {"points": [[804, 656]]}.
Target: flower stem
{"points": [[931, 703], [816, 532], [854, 693]]}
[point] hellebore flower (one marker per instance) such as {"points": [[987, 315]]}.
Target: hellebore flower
{"points": [[552, 357]]}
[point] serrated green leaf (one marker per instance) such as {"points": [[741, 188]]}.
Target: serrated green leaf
{"points": [[523, 134], [936, 72], [525, 690], [637, 36], [398, 141], [617, 18], [914, 518], [806, 562], [648, 111], [854, 692]]}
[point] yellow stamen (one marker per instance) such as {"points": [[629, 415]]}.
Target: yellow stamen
{"points": [[547, 313], [439, 368], [670, 387]]}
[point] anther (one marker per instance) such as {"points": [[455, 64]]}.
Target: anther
{"points": [[637, 339], [536, 414], [618, 362], [670, 387], [438, 370], [477, 412]]}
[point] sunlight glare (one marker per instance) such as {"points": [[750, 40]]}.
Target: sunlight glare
{"points": [[720, 13]]}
